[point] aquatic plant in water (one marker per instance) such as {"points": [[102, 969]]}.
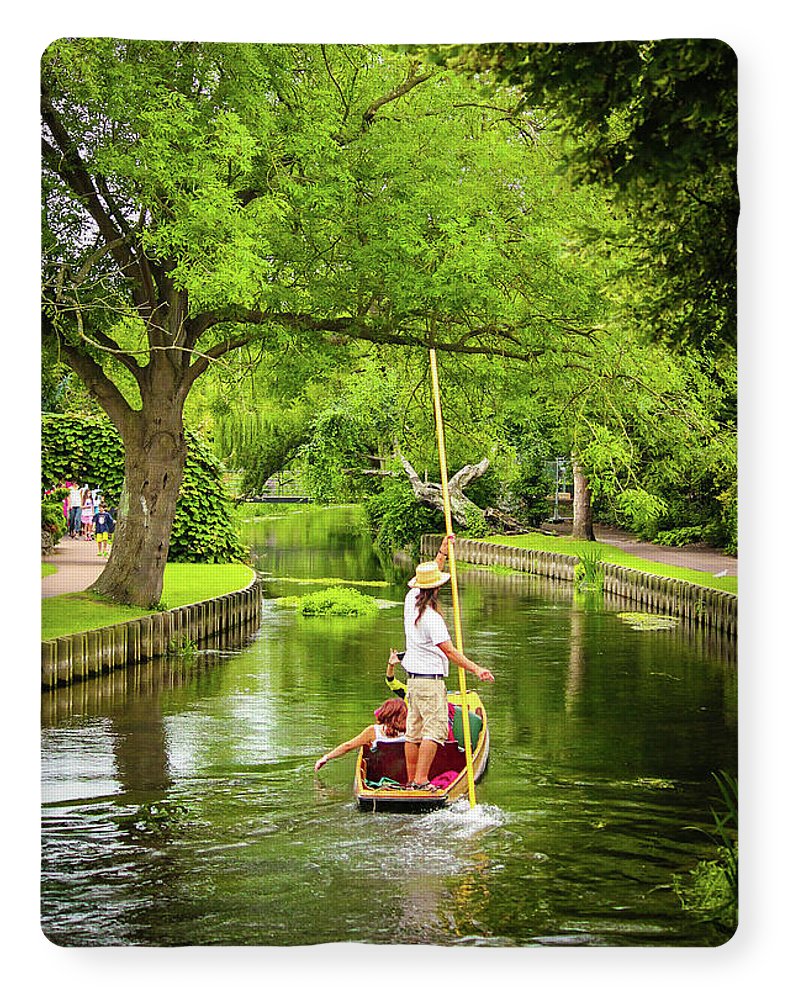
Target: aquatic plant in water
{"points": [[711, 890], [182, 646], [335, 601], [589, 571], [642, 621], [155, 818], [290, 601]]}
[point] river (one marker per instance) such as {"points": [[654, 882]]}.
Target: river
{"points": [[180, 805]]}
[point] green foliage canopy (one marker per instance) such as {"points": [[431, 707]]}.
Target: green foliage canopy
{"points": [[654, 122]]}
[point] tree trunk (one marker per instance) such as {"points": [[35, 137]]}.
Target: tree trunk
{"points": [[583, 514], [155, 452], [431, 493]]}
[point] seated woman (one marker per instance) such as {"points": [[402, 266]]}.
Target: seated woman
{"points": [[390, 726]]}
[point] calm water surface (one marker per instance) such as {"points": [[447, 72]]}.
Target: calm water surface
{"points": [[180, 804]]}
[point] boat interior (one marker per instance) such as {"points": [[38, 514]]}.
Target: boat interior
{"points": [[386, 759]]}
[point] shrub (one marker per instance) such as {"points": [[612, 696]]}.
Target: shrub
{"points": [[528, 496], [52, 519], [397, 519], [204, 529], [679, 536], [476, 522], [85, 449]]}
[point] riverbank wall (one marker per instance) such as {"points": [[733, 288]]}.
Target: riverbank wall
{"points": [[75, 657], [702, 606]]}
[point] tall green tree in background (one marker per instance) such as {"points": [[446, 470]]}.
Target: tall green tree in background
{"points": [[199, 198], [655, 123]]}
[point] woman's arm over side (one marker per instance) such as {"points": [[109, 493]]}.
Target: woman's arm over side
{"points": [[365, 738]]}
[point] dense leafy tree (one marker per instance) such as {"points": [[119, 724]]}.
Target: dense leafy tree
{"points": [[654, 122], [199, 198]]}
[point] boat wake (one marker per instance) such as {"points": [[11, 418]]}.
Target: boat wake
{"points": [[459, 820], [435, 843]]}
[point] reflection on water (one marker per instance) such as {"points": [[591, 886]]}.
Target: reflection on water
{"points": [[181, 806]]}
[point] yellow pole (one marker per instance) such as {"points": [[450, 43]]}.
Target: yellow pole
{"points": [[443, 468]]}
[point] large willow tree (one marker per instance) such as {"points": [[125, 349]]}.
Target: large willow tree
{"points": [[199, 198]]}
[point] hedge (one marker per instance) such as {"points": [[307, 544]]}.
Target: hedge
{"points": [[90, 450]]}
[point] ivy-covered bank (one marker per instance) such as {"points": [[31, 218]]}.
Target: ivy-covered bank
{"points": [[88, 449]]}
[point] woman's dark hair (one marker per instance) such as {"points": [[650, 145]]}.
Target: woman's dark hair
{"points": [[392, 715], [427, 598]]}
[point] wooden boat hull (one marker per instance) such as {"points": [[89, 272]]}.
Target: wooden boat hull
{"points": [[388, 760]]}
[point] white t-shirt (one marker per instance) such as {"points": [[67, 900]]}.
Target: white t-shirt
{"points": [[382, 737], [423, 655], [75, 496]]}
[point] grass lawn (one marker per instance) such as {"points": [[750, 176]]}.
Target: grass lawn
{"points": [[184, 584], [611, 554], [47, 569]]}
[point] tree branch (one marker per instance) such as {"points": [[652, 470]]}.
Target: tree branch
{"points": [[352, 327], [67, 164], [104, 391], [337, 85], [412, 80], [65, 161], [466, 475]]}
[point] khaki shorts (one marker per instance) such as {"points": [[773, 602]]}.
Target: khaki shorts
{"points": [[427, 716]]}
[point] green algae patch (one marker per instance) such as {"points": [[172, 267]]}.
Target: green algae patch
{"points": [[643, 622], [660, 783], [336, 602], [292, 601]]}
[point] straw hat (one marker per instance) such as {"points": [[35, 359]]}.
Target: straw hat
{"points": [[428, 575]]}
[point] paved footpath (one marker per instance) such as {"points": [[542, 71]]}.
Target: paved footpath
{"points": [[690, 557], [78, 564]]}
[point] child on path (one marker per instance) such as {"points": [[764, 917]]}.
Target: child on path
{"points": [[104, 525], [87, 514]]}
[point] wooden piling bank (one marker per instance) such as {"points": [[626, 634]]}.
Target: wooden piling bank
{"points": [[71, 658], [702, 606]]}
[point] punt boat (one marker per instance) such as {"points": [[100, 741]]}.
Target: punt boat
{"points": [[382, 769]]}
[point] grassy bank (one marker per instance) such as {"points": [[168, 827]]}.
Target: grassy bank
{"points": [[184, 584], [612, 554]]}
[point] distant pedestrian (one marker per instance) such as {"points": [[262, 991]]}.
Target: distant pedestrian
{"points": [[75, 510], [87, 513], [104, 525]]}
